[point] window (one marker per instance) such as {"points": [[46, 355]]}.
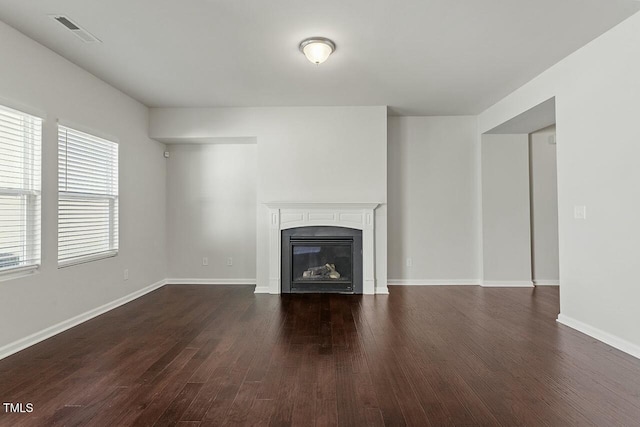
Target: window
{"points": [[20, 140], [87, 197]]}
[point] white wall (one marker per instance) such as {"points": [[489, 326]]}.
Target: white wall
{"points": [[506, 210], [544, 207], [39, 79], [211, 211], [597, 92], [433, 214], [305, 154]]}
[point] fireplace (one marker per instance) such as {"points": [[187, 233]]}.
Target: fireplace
{"points": [[321, 259], [343, 218]]}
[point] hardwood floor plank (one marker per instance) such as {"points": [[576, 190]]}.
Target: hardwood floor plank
{"points": [[285, 400], [155, 397], [176, 408], [205, 397], [260, 412], [241, 406], [304, 408], [326, 413], [326, 377]]}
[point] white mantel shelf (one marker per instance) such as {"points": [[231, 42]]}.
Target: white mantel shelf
{"points": [[320, 205], [286, 215]]}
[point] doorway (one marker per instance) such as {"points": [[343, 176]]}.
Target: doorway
{"points": [[519, 201]]}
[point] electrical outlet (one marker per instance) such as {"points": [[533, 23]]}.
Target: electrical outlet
{"points": [[205, 260], [229, 261], [126, 274], [409, 262]]}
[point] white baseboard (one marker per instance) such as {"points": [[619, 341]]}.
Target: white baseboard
{"points": [[42, 335], [507, 284], [546, 282], [431, 282], [600, 335], [180, 281], [261, 290], [382, 290]]}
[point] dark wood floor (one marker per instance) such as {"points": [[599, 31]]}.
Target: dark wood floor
{"points": [[209, 355]]}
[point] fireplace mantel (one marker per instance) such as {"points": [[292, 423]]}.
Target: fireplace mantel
{"points": [[320, 205], [285, 215]]}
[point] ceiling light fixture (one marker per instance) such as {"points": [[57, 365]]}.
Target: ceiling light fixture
{"points": [[317, 49]]}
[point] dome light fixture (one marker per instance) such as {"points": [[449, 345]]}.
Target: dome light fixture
{"points": [[317, 49]]}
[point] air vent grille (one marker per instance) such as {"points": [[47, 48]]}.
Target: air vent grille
{"points": [[77, 30], [64, 21]]}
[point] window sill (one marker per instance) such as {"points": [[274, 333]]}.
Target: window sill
{"points": [[85, 259], [18, 272]]}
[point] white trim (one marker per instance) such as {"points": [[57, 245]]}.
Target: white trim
{"points": [[382, 290], [182, 281], [432, 282], [321, 205], [42, 335], [480, 212], [507, 284], [86, 258], [600, 335], [18, 272], [261, 290], [546, 282]]}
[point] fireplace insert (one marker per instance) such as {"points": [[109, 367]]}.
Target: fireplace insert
{"points": [[322, 259]]}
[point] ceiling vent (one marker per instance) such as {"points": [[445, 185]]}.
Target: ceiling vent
{"points": [[80, 32]]}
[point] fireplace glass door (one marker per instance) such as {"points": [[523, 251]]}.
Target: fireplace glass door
{"points": [[321, 264], [318, 259]]}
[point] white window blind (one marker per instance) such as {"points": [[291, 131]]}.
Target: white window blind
{"points": [[87, 197], [20, 141]]}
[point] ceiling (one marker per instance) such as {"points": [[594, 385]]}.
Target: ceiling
{"points": [[419, 57]]}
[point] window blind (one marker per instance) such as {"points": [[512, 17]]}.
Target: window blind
{"points": [[20, 147], [87, 197]]}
